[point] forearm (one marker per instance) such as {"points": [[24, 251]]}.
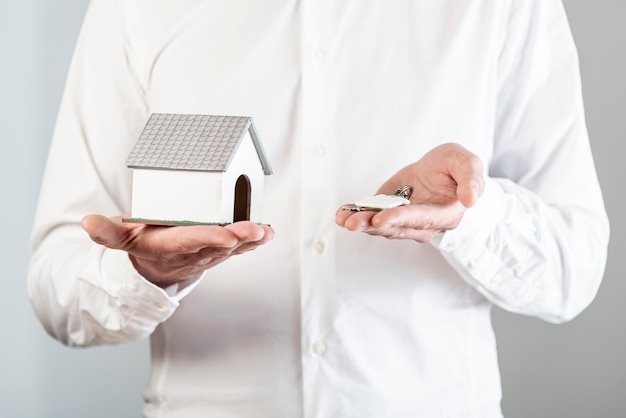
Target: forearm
{"points": [[85, 294], [528, 256]]}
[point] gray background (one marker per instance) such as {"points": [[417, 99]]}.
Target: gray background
{"points": [[572, 370]]}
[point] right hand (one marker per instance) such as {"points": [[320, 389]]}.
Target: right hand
{"points": [[447, 180], [166, 255]]}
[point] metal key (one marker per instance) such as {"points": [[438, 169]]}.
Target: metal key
{"points": [[382, 201]]}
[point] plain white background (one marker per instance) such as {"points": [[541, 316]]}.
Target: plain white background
{"points": [[572, 370]]}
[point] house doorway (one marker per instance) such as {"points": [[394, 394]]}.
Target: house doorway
{"points": [[243, 191]]}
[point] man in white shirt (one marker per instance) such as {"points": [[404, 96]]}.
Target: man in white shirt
{"points": [[478, 100]]}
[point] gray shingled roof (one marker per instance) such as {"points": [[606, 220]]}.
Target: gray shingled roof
{"points": [[193, 142]]}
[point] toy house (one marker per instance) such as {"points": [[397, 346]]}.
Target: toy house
{"points": [[197, 169]]}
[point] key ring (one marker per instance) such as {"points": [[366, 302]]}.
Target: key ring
{"points": [[405, 191]]}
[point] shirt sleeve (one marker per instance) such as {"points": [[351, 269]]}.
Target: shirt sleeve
{"points": [[536, 242], [85, 294]]}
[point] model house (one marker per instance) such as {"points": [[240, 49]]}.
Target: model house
{"points": [[197, 169]]}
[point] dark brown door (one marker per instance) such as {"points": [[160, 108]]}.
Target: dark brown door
{"points": [[242, 199]]}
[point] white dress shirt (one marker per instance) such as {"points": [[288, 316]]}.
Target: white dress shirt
{"points": [[323, 322]]}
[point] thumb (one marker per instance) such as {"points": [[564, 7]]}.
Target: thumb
{"points": [[103, 230], [469, 192], [468, 175]]}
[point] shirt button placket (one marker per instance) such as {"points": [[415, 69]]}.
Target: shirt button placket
{"points": [[317, 204]]}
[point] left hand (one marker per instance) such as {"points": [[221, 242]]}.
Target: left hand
{"points": [[446, 181]]}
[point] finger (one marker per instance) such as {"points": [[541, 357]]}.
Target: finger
{"points": [[201, 257], [192, 239], [420, 217], [208, 257], [251, 232], [245, 248], [467, 172], [105, 231], [392, 232], [250, 236], [358, 221], [186, 239], [341, 215]]}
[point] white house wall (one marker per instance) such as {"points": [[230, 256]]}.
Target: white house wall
{"points": [[245, 161], [169, 195]]}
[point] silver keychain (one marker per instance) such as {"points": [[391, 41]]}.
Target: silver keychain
{"points": [[382, 201]]}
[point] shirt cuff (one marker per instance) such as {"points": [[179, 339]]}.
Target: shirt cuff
{"points": [[116, 303], [477, 224], [179, 290], [147, 301]]}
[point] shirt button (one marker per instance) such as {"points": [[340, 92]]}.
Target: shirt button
{"points": [[453, 244], [318, 348], [159, 305], [318, 247], [318, 150], [319, 54]]}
